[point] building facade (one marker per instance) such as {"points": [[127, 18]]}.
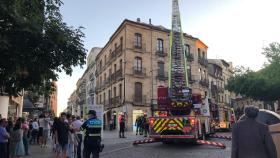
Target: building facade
{"points": [[134, 62]]}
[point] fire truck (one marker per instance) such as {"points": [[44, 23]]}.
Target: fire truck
{"points": [[226, 118], [180, 114]]}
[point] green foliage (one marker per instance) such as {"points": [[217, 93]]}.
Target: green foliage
{"points": [[36, 45], [261, 85]]}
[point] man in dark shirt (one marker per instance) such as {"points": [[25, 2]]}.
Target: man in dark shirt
{"points": [[61, 129], [251, 139]]}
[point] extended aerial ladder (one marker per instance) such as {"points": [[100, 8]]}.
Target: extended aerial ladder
{"points": [[177, 100]]}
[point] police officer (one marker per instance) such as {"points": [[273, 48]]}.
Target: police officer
{"points": [[92, 140]]}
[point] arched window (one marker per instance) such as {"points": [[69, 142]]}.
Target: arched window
{"points": [[160, 45], [138, 64]]}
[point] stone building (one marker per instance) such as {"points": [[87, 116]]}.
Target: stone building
{"points": [[134, 62]]}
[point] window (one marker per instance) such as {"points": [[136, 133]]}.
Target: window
{"points": [[121, 42], [160, 68], [120, 91], [105, 59], [160, 45], [199, 55], [189, 70], [187, 49], [138, 40], [100, 64], [121, 64], [109, 96], [138, 92], [138, 63], [104, 97], [105, 77], [115, 68], [203, 55], [114, 92]]}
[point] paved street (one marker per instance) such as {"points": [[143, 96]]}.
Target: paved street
{"points": [[123, 148]]}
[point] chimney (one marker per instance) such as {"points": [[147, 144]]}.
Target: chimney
{"points": [[150, 21], [138, 20]]}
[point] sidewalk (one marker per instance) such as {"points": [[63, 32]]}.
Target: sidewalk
{"points": [[109, 138]]}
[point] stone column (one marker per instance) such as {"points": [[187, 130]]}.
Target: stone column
{"points": [[4, 104]]}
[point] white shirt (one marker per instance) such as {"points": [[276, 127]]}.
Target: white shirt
{"points": [[35, 125]]}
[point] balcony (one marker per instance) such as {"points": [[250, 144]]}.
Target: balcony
{"points": [[91, 76], [190, 57], [139, 71], [116, 101], [161, 53], [204, 82], [119, 74], [139, 100], [107, 81], [91, 91], [118, 50], [163, 76], [203, 61], [140, 48], [97, 88]]}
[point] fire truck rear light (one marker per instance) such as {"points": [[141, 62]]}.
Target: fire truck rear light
{"points": [[192, 121], [152, 120]]}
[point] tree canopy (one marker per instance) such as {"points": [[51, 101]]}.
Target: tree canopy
{"points": [[36, 45], [263, 84]]}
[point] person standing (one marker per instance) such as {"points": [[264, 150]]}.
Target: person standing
{"points": [[61, 129], [77, 128], [25, 129], [4, 136], [16, 143], [41, 122], [251, 139], [35, 130], [92, 140], [122, 127], [46, 130], [137, 124], [146, 125]]}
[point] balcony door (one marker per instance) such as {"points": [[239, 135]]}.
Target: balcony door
{"points": [[138, 64], [138, 92]]}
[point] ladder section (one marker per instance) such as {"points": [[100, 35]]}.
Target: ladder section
{"points": [[178, 83]]}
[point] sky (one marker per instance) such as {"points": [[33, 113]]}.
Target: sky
{"points": [[234, 30]]}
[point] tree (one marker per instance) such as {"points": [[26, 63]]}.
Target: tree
{"points": [[36, 45], [261, 85]]}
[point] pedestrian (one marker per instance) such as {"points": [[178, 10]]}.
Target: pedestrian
{"points": [[54, 143], [9, 129], [137, 124], [25, 129], [46, 130], [71, 139], [111, 124], [122, 127], [35, 130], [61, 129], [16, 143], [4, 136], [92, 139], [146, 125], [77, 129], [41, 123], [251, 139]]}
